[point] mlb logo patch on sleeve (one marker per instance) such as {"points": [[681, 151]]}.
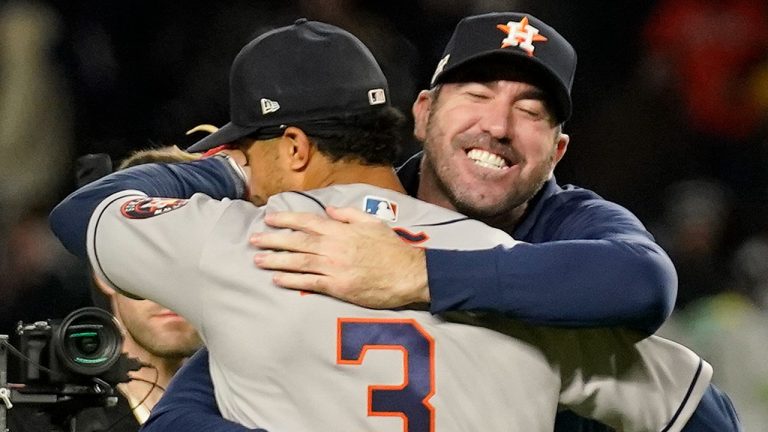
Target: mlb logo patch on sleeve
{"points": [[143, 208], [382, 208]]}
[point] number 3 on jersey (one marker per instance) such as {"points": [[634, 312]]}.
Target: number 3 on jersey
{"points": [[409, 400]]}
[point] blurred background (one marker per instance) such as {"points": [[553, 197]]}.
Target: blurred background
{"points": [[670, 120]]}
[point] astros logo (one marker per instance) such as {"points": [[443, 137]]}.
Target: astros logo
{"points": [[143, 208], [521, 35]]}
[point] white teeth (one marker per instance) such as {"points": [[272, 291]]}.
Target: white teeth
{"points": [[487, 159]]}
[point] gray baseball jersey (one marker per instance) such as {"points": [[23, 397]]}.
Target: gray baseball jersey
{"points": [[292, 361]]}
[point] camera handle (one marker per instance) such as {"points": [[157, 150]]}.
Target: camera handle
{"points": [[5, 392]]}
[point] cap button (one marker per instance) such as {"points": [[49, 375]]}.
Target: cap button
{"points": [[300, 21]]}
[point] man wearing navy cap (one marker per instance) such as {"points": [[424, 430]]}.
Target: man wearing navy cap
{"points": [[284, 78]]}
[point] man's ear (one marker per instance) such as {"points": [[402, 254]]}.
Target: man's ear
{"points": [[421, 109], [296, 147], [562, 146], [107, 290]]}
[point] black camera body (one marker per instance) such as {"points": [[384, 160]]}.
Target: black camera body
{"points": [[85, 344], [64, 367]]}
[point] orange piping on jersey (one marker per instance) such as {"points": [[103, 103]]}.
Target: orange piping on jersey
{"points": [[215, 150], [411, 237]]}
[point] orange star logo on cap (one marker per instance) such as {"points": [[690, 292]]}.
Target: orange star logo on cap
{"points": [[520, 34]]}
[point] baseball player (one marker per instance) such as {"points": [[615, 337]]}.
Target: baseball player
{"points": [[298, 123]]}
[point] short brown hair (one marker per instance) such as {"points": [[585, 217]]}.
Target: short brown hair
{"points": [[170, 154]]}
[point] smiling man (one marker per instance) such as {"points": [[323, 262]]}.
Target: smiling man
{"points": [[477, 170]]}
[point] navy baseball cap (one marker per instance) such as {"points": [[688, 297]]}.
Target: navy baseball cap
{"points": [[305, 72], [523, 43]]}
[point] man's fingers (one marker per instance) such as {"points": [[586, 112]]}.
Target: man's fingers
{"points": [[314, 223], [307, 222], [300, 281], [294, 241], [292, 262], [350, 215]]}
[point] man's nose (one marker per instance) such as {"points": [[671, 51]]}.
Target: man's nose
{"points": [[495, 120]]}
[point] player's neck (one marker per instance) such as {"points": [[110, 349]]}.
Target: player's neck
{"points": [[145, 387], [431, 191], [350, 172], [162, 372], [148, 384]]}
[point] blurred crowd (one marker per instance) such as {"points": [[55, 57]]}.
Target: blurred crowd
{"points": [[670, 120]]}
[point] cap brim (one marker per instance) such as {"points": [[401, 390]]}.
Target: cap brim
{"points": [[228, 133]]}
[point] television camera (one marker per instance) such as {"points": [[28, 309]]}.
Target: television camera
{"points": [[65, 366]]}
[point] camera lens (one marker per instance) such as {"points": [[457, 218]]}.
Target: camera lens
{"points": [[85, 343], [88, 341], [88, 344]]}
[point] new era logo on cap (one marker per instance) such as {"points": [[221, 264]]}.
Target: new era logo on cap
{"points": [[377, 96], [269, 106]]}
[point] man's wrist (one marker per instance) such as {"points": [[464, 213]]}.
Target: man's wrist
{"points": [[236, 160], [234, 164], [423, 279]]}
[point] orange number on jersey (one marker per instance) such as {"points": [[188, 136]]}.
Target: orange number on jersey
{"points": [[410, 399]]}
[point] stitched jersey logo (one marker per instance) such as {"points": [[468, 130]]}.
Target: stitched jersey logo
{"points": [[520, 34], [382, 208], [143, 208]]}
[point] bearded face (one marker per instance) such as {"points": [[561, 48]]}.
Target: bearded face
{"points": [[157, 329], [488, 147]]}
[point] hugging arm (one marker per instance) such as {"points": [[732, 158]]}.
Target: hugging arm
{"points": [[216, 177], [592, 264]]}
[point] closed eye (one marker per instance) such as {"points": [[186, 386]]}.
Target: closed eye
{"points": [[534, 110], [529, 112], [478, 96]]}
